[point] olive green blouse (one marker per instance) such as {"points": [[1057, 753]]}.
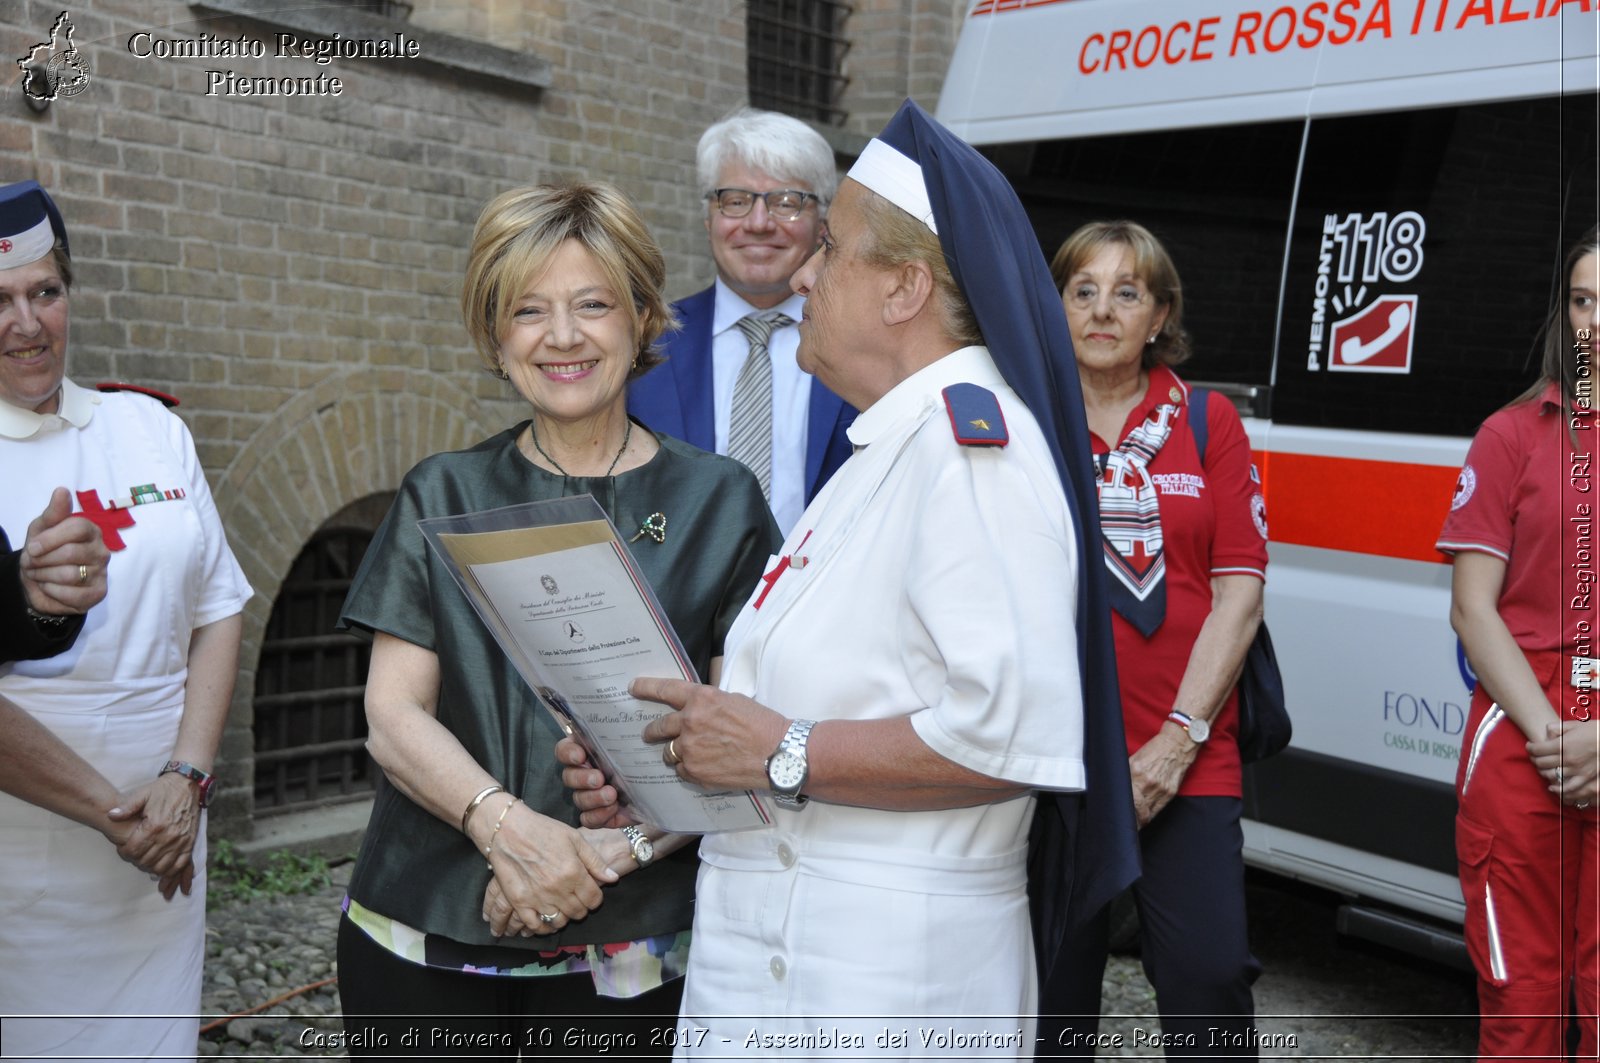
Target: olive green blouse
{"points": [[424, 872]]}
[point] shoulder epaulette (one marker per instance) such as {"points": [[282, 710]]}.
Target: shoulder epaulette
{"points": [[166, 400], [975, 416]]}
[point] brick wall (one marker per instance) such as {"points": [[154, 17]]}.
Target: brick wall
{"points": [[911, 43], [289, 266]]}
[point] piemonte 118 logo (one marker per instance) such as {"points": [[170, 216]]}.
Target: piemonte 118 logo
{"points": [[1360, 255]]}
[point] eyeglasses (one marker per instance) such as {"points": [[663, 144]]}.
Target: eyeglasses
{"points": [[1123, 297], [785, 204]]}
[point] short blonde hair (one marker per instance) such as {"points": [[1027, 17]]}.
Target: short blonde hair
{"points": [[520, 231], [1151, 264], [894, 237]]}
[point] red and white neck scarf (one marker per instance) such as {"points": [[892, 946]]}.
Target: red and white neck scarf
{"points": [[1130, 522]]}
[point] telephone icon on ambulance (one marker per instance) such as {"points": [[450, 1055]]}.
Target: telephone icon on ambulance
{"points": [[1378, 339]]}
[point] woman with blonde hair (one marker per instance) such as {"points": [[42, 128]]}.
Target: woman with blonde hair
{"points": [[563, 299]]}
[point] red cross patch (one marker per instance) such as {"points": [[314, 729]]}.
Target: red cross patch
{"points": [[110, 521], [771, 578], [5, 247]]}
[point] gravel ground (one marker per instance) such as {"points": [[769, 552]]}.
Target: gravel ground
{"points": [[271, 949], [1319, 998]]}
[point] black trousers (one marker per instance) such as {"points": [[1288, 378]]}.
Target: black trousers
{"points": [[1195, 948], [393, 1007]]}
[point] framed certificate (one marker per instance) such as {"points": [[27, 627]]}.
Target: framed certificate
{"points": [[561, 593]]}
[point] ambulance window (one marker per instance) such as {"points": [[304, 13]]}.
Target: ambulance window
{"points": [[1219, 200], [1422, 261]]}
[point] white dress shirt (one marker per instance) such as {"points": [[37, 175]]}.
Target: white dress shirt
{"points": [[791, 394]]}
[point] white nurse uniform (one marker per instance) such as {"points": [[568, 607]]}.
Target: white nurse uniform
{"points": [[81, 932], [929, 580]]}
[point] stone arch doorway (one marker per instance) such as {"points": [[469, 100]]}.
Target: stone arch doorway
{"points": [[326, 451], [309, 723]]}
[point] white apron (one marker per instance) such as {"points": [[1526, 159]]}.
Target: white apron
{"points": [[81, 932]]}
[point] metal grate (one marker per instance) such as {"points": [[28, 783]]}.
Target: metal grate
{"points": [[310, 724], [395, 9], [796, 51]]}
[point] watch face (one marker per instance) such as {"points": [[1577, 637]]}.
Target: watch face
{"points": [[638, 844], [786, 771], [1199, 730]]}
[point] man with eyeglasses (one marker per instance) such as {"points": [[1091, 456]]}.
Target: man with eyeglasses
{"points": [[730, 382]]}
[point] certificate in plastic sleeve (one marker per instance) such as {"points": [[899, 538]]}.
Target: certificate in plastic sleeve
{"points": [[560, 591]]}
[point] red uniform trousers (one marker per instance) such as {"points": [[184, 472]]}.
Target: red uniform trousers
{"points": [[1530, 874]]}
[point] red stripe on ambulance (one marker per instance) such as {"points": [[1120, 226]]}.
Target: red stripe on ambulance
{"points": [[1384, 508]]}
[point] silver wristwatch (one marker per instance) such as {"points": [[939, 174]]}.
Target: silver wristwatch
{"points": [[1199, 730], [644, 850], [787, 769]]}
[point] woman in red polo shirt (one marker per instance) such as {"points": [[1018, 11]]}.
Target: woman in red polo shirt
{"points": [[1185, 541], [1521, 527]]}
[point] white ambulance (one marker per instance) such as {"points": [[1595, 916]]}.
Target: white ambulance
{"points": [[1366, 200]]}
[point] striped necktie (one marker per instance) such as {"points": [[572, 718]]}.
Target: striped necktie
{"points": [[750, 425]]}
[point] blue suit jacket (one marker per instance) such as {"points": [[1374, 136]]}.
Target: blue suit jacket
{"points": [[20, 638], [676, 398]]}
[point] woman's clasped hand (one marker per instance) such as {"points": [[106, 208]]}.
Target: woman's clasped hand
{"points": [[161, 819], [546, 874]]}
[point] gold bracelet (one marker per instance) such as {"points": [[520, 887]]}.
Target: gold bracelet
{"points": [[488, 850], [466, 816]]}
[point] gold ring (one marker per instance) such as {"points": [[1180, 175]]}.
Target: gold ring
{"points": [[672, 753], [83, 573]]}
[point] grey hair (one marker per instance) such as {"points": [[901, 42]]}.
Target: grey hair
{"points": [[782, 146], [894, 238]]}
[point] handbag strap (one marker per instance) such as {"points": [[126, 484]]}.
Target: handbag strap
{"points": [[1199, 424]]}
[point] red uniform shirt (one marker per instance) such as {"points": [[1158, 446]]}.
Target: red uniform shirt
{"points": [[1527, 496], [1212, 524]]}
